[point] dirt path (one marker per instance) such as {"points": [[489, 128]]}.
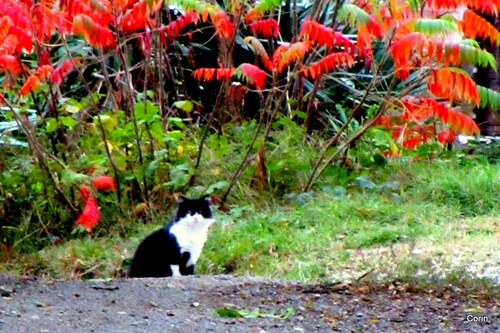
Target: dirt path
{"points": [[187, 305]]}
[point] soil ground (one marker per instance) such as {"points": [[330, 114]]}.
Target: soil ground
{"points": [[187, 304]]}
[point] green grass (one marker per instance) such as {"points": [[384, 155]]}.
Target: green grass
{"points": [[440, 224]]}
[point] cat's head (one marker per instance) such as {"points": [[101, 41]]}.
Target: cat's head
{"points": [[195, 211]]}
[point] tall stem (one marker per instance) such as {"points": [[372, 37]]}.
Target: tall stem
{"points": [[37, 150], [310, 105], [243, 163], [351, 139], [131, 104], [99, 122]]}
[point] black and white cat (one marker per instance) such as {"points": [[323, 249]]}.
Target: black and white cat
{"points": [[174, 249]]}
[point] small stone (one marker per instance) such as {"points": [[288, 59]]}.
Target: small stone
{"points": [[195, 304], [5, 291]]}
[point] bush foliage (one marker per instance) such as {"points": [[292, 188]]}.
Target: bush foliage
{"points": [[228, 98]]}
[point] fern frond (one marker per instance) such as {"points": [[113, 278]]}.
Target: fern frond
{"points": [[295, 52], [434, 26], [94, 33], [44, 21], [454, 84], [489, 7], [10, 63], [329, 63], [268, 28], [259, 49], [135, 19], [399, 10], [453, 118], [278, 54], [457, 54], [173, 29], [252, 74], [64, 69], [364, 42], [5, 23], [262, 7], [353, 15], [40, 75], [101, 12], [489, 98], [474, 25], [421, 109], [402, 49], [31, 83], [415, 5], [470, 42], [139, 17], [446, 136], [356, 16], [49, 4], [8, 45], [222, 24], [321, 35], [209, 74], [17, 11], [44, 72]]}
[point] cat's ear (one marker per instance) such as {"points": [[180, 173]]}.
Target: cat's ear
{"points": [[207, 198], [181, 199]]}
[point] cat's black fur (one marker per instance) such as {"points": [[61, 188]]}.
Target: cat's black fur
{"points": [[176, 243]]}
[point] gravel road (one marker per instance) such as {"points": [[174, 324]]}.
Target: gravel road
{"points": [[187, 304]]}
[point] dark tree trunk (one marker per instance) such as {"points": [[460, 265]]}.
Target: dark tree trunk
{"points": [[488, 119]]}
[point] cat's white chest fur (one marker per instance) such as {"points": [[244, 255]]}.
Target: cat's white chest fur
{"points": [[191, 233]]}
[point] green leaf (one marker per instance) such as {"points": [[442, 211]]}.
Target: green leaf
{"points": [[146, 112], [228, 313], [176, 121], [415, 5], [474, 310], [186, 106], [365, 183], [179, 176], [151, 168], [217, 186], [175, 135], [70, 177], [353, 15], [379, 159], [68, 121], [470, 42], [434, 26], [72, 108], [51, 125], [488, 98], [120, 160], [157, 130], [109, 121], [472, 55], [255, 313], [299, 114]]}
